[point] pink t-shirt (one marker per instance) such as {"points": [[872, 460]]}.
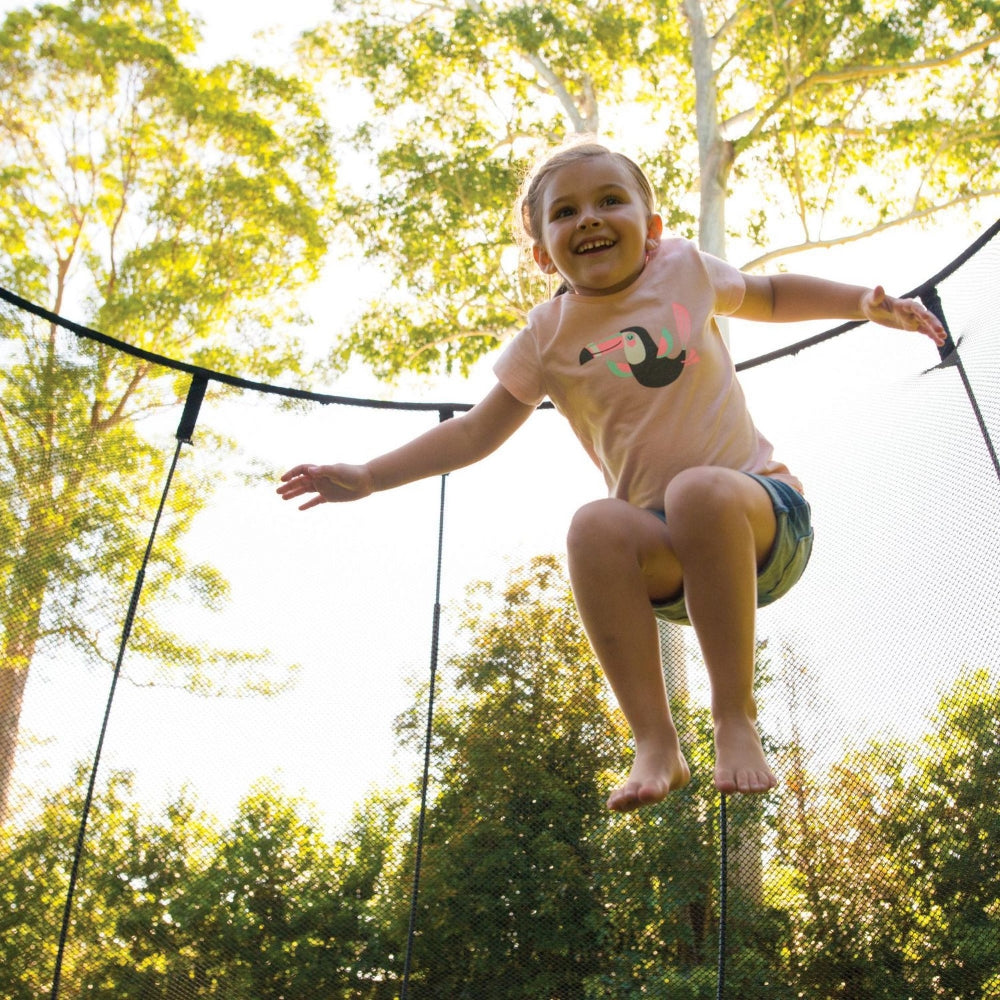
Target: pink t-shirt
{"points": [[644, 376]]}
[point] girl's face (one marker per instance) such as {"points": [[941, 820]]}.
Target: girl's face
{"points": [[596, 229]]}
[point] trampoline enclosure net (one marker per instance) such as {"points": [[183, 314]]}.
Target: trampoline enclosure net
{"points": [[253, 824]]}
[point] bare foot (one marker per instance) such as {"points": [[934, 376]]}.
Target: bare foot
{"points": [[656, 771], [739, 758]]}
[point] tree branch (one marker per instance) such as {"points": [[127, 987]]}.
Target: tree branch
{"points": [[141, 370], [581, 122], [758, 262], [12, 450], [441, 341], [893, 69], [860, 72]]}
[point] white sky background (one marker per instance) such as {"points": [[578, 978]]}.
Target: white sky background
{"points": [[330, 735]]}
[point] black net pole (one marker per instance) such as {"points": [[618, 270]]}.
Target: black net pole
{"points": [[443, 414], [723, 892], [950, 357], [185, 431]]}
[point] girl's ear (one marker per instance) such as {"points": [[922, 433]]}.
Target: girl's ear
{"points": [[654, 231], [542, 259]]}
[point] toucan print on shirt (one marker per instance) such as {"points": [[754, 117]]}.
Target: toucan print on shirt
{"points": [[652, 362]]}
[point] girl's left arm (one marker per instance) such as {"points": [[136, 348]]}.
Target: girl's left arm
{"points": [[782, 298]]}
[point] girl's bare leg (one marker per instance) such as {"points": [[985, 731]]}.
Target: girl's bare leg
{"points": [[721, 526], [616, 551]]}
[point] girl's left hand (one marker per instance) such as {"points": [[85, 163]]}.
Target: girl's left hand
{"points": [[903, 314]]}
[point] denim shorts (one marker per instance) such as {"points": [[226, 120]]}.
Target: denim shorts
{"points": [[789, 554]]}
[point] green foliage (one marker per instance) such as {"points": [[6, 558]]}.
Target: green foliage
{"points": [[530, 887], [460, 100], [507, 888], [896, 884], [950, 831], [176, 208], [176, 905], [878, 877], [34, 875], [833, 121], [268, 912]]}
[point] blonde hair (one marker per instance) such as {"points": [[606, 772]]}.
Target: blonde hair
{"points": [[529, 203]]}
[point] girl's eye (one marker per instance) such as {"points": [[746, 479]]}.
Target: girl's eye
{"points": [[562, 212], [612, 199]]}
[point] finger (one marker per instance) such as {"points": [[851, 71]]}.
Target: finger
{"points": [[912, 314], [927, 323], [937, 333], [926, 320], [298, 470], [288, 481], [297, 486]]}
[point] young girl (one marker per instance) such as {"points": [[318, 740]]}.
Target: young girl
{"points": [[701, 524]]}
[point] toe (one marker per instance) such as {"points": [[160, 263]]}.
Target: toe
{"points": [[623, 799], [745, 781], [726, 782]]}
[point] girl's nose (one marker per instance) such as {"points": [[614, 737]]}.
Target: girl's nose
{"points": [[587, 220]]}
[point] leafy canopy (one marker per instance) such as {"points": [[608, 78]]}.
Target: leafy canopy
{"points": [[820, 124]]}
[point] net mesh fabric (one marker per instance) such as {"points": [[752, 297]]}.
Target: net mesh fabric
{"points": [[253, 824]]}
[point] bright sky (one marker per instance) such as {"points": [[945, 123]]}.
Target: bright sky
{"points": [[331, 736]]}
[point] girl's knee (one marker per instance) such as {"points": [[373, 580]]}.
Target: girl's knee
{"points": [[704, 490], [595, 524]]}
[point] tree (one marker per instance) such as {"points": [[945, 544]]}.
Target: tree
{"points": [[269, 917], [947, 836], [853, 914], [121, 938], [176, 208], [891, 885], [529, 885], [34, 874], [523, 747], [860, 116], [178, 905]]}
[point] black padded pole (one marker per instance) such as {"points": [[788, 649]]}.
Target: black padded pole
{"points": [[189, 418], [951, 357]]}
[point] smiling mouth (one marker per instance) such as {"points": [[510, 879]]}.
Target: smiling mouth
{"points": [[594, 245]]}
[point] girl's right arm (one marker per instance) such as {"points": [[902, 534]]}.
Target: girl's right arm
{"points": [[449, 445], [794, 297]]}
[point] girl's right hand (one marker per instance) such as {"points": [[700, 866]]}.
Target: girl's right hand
{"points": [[903, 314], [327, 483]]}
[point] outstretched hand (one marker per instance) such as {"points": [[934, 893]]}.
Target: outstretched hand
{"points": [[903, 314], [326, 483]]}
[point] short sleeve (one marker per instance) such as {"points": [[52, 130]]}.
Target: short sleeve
{"points": [[728, 283], [519, 369]]}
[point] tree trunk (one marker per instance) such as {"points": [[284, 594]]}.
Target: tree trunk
{"points": [[18, 652], [12, 683], [22, 622], [715, 153], [674, 660], [746, 875]]}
